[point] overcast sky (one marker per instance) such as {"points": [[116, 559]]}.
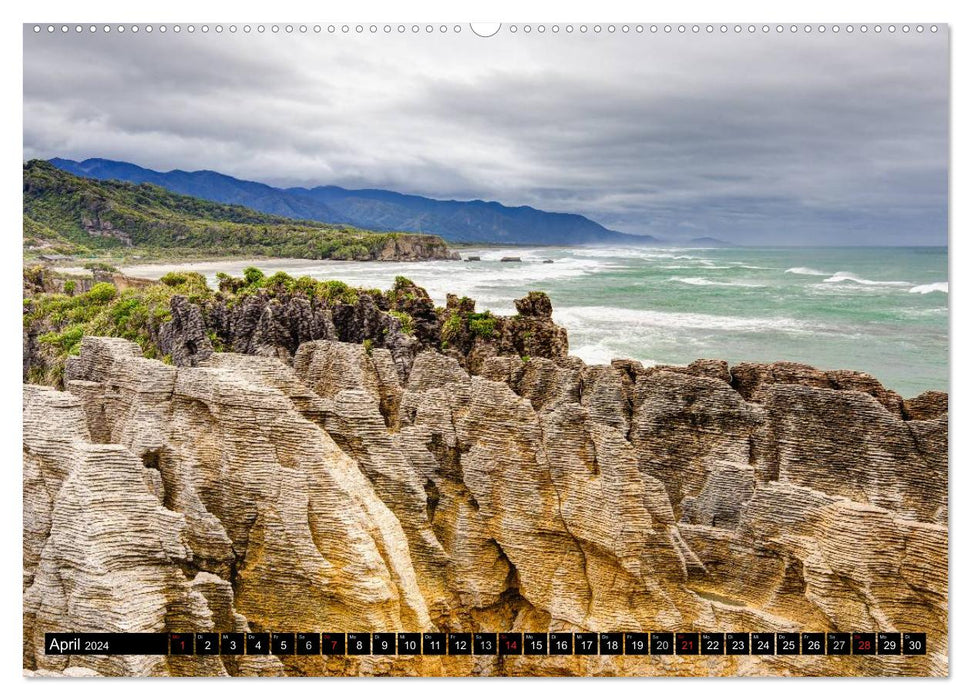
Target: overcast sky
{"points": [[759, 139]]}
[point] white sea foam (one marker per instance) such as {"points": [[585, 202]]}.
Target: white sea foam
{"points": [[700, 266], [843, 276], [806, 271], [496, 254], [922, 314], [582, 317], [704, 282], [602, 352], [928, 288], [633, 253]]}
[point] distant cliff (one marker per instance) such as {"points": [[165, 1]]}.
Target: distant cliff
{"points": [[366, 462], [378, 210], [67, 214]]}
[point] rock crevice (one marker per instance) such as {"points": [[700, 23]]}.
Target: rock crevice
{"points": [[334, 492]]}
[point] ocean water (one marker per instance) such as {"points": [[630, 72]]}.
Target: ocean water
{"points": [[880, 310]]}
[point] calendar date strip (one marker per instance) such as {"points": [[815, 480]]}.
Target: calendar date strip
{"points": [[488, 643]]}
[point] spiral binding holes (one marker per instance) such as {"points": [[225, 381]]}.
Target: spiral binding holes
{"points": [[517, 29]]}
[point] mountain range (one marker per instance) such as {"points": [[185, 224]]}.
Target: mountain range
{"points": [[473, 221], [74, 215]]}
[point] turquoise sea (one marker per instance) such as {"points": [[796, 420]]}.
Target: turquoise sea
{"points": [[880, 310]]}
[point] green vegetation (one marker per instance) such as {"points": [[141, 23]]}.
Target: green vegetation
{"points": [[253, 276], [98, 266], [217, 343], [67, 214], [55, 323], [459, 325], [335, 291], [407, 323], [173, 279], [34, 276], [42, 240], [452, 328], [401, 291], [482, 325], [102, 292], [328, 291], [59, 321], [135, 314]]}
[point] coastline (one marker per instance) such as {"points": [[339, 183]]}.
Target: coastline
{"points": [[880, 310]]}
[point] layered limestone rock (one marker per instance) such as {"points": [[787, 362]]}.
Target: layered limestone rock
{"points": [[415, 246], [181, 319], [339, 493]]}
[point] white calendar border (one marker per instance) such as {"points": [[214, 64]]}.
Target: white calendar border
{"points": [[562, 11]]}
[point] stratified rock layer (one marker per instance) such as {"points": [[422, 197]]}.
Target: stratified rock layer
{"points": [[539, 494]]}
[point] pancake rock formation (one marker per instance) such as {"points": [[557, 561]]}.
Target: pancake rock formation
{"points": [[346, 490]]}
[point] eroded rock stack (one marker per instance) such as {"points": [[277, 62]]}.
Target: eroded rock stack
{"points": [[514, 493]]}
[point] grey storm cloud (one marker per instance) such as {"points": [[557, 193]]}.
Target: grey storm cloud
{"points": [[761, 139]]}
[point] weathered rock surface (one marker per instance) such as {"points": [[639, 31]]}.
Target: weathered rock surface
{"points": [[929, 405], [415, 247], [184, 337], [40, 279], [752, 379], [340, 493]]}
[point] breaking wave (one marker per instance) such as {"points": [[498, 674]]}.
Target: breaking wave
{"points": [[928, 288], [850, 277], [703, 282], [584, 317], [806, 271]]}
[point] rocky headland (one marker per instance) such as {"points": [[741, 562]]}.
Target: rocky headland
{"points": [[67, 215], [313, 458]]}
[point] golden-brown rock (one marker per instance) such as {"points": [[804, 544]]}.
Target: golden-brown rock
{"points": [[537, 495]]}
